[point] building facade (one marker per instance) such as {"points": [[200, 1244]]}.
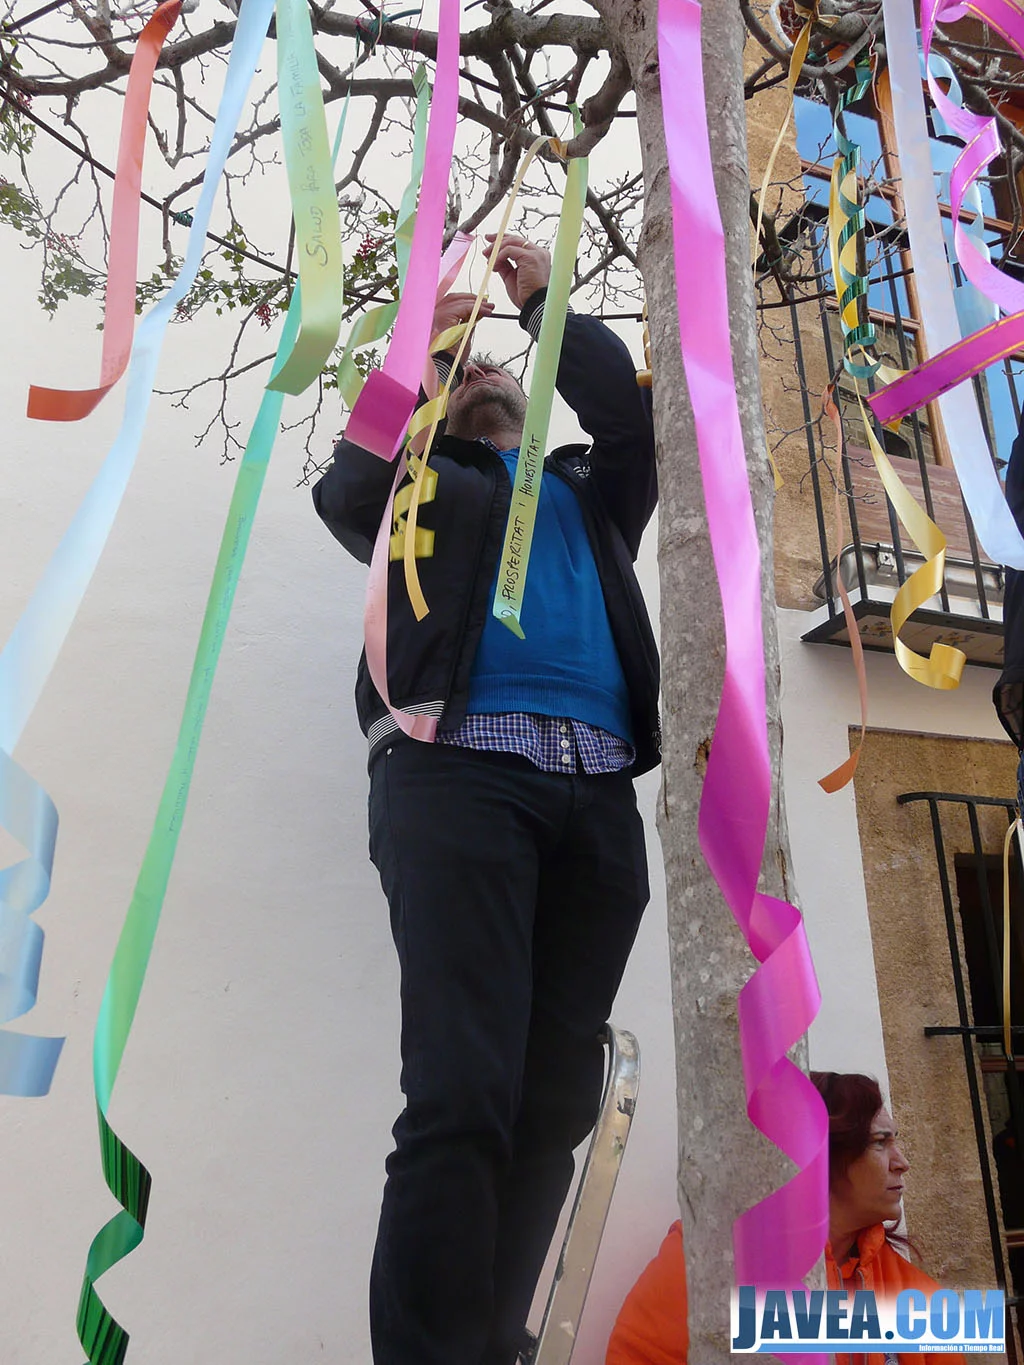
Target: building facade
{"points": [[900, 874]]}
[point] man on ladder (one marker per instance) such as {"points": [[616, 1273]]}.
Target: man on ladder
{"points": [[510, 850]]}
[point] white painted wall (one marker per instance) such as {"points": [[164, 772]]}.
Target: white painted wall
{"points": [[260, 1082]]}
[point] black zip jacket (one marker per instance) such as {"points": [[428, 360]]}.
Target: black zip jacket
{"points": [[615, 480]]}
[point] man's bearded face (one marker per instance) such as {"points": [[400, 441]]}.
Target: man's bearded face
{"points": [[488, 398]]}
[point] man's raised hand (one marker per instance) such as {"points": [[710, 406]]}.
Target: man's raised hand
{"points": [[456, 308], [522, 266]]}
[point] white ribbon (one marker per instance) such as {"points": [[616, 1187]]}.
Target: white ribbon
{"points": [[993, 521]]}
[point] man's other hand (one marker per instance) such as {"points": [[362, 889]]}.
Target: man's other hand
{"points": [[523, 267], [456, 308]]}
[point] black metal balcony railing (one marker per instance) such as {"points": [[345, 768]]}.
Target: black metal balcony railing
{"points": [[993, 1081], [875, 557]]}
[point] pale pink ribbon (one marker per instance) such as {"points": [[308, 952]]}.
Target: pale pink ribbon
{"points": [[375, 614], [779, 1240], [71, 405], [383, 408]]}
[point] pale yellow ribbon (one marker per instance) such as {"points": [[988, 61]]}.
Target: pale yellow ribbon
{"points": [[945, 664], [796, 61], [431, 413]]}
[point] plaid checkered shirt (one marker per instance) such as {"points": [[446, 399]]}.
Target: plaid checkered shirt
{"points": [[555, 744]]}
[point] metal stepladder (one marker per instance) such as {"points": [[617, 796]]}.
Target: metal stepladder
{"points": [[556, 1337]]}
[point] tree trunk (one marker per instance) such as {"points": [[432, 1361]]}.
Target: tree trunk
{"points": [[725, 1166]]}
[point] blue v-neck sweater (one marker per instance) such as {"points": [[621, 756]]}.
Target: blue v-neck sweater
{"points": [[568, 664]]}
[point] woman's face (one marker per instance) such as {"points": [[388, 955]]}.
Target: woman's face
{"points": [[872, 1188]]}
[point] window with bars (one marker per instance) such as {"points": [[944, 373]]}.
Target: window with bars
{"points": [[890, 298], [877, 557]]}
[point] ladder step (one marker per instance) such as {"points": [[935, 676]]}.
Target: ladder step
{"points": [[556, 1338]]}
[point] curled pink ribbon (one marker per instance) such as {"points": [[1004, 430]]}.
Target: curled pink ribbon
{"points": [[981, 135], [778, 1241], [949, 368], [383, 408]]}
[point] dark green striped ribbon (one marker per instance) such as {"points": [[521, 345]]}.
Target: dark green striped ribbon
{"points": [[103, 1339], [851, 286]]}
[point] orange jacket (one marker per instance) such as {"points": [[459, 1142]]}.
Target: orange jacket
{"points": [[651, 1326], [879, 1266]]}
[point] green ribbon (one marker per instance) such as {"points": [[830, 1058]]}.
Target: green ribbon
{"points": [[406, 220], [370, 327], [852, 286], [522, 514], [104, 1340], [379, 321], [314, 198]]}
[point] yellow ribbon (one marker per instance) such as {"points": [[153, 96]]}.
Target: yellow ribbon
{"points": [[645, 377], [431, 413], [945, 664], [845, 259], [423, 541], [796, 62]]}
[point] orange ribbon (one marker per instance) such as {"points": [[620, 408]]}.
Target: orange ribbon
{"points": [[71, 405], [838, 777]]}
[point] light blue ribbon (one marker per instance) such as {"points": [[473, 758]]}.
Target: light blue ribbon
{"points": [[975, 310], [27, 1064]]}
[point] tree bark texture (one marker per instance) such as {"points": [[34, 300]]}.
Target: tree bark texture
{"points": [[725, 1165]]}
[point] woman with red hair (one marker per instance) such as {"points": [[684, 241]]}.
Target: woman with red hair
{"points": [[865, 1192], [866, 1178]]}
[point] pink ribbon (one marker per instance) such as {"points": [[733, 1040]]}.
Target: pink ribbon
{"points": [[949, 368], [980, 133], [375, 614], [779, 1241], [451, 264], [70, 405], [382, 411], [976, 352]]}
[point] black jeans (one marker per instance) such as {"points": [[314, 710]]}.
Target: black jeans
{"points": [[515, 896]]}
